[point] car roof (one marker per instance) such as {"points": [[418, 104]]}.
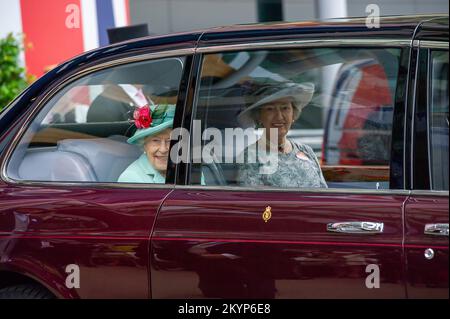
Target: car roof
{"points": [[400, 27], [405, 21], [393, 22]]}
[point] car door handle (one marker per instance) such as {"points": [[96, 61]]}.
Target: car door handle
{"points": [[436, 229], [356, 227]]}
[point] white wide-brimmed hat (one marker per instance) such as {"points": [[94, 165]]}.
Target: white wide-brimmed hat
{"points": [[301, 95]]}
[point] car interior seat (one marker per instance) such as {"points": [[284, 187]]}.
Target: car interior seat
{"points": [[108, 157], [53, 165], [79, 160]]}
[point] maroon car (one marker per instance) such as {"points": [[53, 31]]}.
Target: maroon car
{"points": [[377, 120]]}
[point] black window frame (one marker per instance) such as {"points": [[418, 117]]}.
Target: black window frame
{"points": [[177, 172], [420, 179]]}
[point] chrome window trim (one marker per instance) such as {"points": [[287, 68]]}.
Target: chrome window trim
{"points": [[104, 185], [430, 193], [305, 43], [353, 191], [413, 116], [429, 101], [138, 58], [414, 45], [433, 44], [405, 119], [67, 81]]}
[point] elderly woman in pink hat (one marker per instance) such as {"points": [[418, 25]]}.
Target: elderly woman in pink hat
{"points": [[275, 108]]}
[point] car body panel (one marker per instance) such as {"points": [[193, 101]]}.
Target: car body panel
{"points": [[110, 226], [105, 232], [426, 278], [218, 242]]}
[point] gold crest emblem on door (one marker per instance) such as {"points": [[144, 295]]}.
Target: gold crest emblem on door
{"points": [[267, 214]]}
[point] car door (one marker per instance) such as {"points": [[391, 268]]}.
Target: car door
{"points": [[65, 220], [215, 238], [426, 236]]}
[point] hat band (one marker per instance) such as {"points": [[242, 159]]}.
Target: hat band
{"points": [[161, 121], [168, 116]]}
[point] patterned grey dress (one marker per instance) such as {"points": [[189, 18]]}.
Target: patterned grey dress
{"points": [[291, 171]]}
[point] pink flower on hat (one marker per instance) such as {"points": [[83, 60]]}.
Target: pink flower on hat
{"points": [[142, 117]]}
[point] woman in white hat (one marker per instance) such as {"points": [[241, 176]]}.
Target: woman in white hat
{"points": [[154, 128], [278, 107]]}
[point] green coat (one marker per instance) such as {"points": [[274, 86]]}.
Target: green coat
{"points": [[141, 171]]}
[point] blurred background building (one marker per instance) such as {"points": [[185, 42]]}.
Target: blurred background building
{"points": [[164, 16], [57, 30]]}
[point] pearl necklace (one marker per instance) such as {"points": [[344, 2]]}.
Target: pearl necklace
{"points": [[280, 146]]}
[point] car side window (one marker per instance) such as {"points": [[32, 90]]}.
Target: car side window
{"points": [[104, 127], [331, 111], [438, 120]]}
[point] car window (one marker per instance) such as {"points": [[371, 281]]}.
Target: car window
{"points": [[439, 120], [337, 135], [104, 127]]}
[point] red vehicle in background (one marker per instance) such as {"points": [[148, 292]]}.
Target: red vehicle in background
{"points": [[360, 106]]}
